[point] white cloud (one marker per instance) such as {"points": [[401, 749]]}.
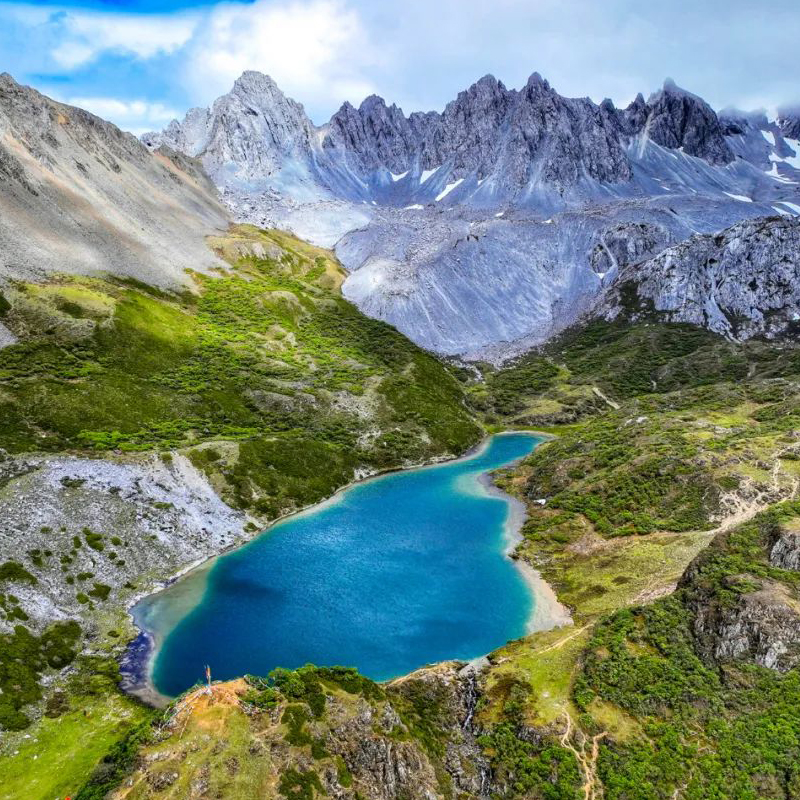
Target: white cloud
{"points": [[418, 53], [316, 50], [86, 35], [136, 116], [72, 54]]}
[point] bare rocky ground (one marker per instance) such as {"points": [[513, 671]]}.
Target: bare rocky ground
{"points": [[126, 524], [81, 196]]}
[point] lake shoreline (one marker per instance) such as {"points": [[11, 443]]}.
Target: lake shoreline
{"points": [[548, 612], [139, 658]]}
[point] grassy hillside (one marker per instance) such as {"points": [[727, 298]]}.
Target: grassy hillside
{"points": [[302, 734], [569, 378], [706, 727], [635, 699], [268, 359], [696, 439], [673, 448]]}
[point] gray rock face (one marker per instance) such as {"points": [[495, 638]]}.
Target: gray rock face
{"points": [[676, 119], [79, 195], [626, 243], [741, 282], [247, 134], [557, 141], [518, 139], [374, 136], [763, 627], [255, 127], [789, 122], [469, 129], [785, 550]]}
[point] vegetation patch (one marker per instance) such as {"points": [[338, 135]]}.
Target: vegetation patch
{"points": [[707, 729], [24, 657], [299, 785], [13, 572]]}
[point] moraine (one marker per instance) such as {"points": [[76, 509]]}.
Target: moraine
{"points": [[390, 574]]}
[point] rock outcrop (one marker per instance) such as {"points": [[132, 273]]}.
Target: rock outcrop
{"points": [[677, 119], [762, 626], [753, 615], [789, 122], [252, 131], [625, 244], [741, 282], [410, 740], [785, 549]]}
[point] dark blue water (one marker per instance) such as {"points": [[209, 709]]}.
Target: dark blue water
{"points": [[394, 573]]}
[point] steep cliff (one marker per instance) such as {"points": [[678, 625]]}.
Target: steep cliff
{"points": [[741, 282]]}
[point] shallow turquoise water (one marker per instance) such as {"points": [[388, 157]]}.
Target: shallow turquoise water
{"points": [[393, 573]]}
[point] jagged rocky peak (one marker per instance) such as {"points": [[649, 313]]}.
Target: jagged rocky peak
{"points": [[634, 117], [741, 282], [527, 138], [468, 132], [520, 138], [675, 118], [258, 95], [376, 135], [567, 138], [529, 142], [789, 122], [254, 127]]}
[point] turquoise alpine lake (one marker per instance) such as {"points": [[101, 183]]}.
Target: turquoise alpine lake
{"points": [[390, 574]]}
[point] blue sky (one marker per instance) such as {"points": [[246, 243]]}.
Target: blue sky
{"points": [[142, 62]]}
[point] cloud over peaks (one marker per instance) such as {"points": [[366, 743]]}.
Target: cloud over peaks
{"points": [[313, 50]]}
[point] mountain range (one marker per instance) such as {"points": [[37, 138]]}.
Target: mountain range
{"points": [[487, 228]]}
